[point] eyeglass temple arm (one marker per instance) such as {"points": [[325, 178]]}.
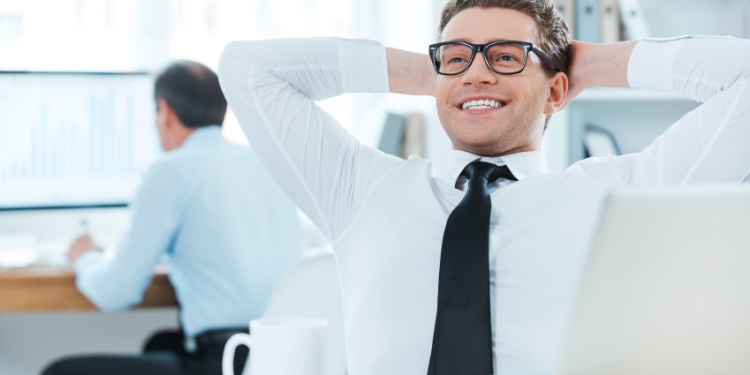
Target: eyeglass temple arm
{"points": [[545, 58]]}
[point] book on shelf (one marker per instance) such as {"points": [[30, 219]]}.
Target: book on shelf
{"points": [[567, 9], [588, 20], [610, 22], [633, 21], [414, 136], [403, 135], [392, 137], [603, 21]]}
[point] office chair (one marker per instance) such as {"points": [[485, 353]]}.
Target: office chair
{"points": [[310, 288]]}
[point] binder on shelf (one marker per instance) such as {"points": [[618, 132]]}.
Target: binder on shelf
{"points": [[413, 136], [403, 136], [610, 22], [567, 9], [633, 21], [588, 20], [392, 138]]}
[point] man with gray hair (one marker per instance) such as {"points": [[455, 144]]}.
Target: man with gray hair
{"points": [[211, 208]]}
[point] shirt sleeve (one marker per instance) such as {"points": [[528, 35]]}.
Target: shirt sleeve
{"points": [[710, 144], [118, 283], [271, 86]]}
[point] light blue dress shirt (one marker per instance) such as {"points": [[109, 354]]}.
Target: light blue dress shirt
{"points": [[228, 231]]}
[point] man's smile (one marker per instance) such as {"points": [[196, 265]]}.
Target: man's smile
{"points": [[481, 104]]}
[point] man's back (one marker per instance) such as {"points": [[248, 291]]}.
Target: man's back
{"points": [[238, 233], [227, 228]]}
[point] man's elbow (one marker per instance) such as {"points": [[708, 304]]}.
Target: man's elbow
{"points": [[114, 305], [110, 301], [233, 62]]}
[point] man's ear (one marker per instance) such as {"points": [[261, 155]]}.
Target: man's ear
{"points": [[557, 89], [167, 112]]}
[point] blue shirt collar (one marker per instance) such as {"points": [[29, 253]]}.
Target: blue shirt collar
{"points": [[202, 135]]}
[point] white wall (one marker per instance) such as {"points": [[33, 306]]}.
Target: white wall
{"points": [[667, 18]]}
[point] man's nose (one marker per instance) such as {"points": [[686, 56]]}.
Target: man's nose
{"points": [[479, 73]]}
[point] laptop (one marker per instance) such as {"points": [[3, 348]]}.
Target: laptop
{"points": [[666, 289]]}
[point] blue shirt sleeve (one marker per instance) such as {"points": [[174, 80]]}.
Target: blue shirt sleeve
{"points": [[118, 283]]}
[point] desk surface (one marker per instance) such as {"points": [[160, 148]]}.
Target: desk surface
{"points": [[49, 289]]}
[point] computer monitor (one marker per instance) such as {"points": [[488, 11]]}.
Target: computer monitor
{"points": [[666, 289], [74, 139]]}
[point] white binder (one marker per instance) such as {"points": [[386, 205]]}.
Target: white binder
{"points": [[610, 21], [634, 23]]}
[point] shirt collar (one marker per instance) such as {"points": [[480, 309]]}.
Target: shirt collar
{"points": [[202, 135], [522, 164]]}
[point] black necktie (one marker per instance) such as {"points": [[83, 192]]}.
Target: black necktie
{"points": [[462, 342]]}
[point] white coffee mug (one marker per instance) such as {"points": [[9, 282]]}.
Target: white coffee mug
{"points": [[281, 346]]}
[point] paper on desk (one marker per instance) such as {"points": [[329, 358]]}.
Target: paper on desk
{"points": [[17, 250]]}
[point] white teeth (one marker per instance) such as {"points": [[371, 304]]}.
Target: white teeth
{"points": [[481, 104]]}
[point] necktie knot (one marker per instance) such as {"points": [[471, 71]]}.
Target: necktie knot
{"points": [[489, 171]]}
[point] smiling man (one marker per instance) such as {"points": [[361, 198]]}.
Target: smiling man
{"points": [[474, 271], [486, 108]]}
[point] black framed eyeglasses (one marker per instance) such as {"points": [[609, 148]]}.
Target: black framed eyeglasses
{"points": [[502, 56]]}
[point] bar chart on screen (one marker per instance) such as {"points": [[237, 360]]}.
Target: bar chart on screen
{"points": [[74, 139]]}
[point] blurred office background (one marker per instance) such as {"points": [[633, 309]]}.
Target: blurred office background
{"points": [[142, 36]]}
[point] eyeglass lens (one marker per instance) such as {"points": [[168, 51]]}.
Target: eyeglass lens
{"points": [[502, 57]]}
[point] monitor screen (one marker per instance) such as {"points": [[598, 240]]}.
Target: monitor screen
{"points": [[74, 139]]}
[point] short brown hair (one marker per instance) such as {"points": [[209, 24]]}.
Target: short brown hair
{"points": [[554, 37]]}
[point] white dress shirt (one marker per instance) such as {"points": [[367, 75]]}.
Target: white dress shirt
{"points": [[227, 229], [385, 216]]}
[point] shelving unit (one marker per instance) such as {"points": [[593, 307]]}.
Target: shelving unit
{"points": [[604, 94], [634, 116]]}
